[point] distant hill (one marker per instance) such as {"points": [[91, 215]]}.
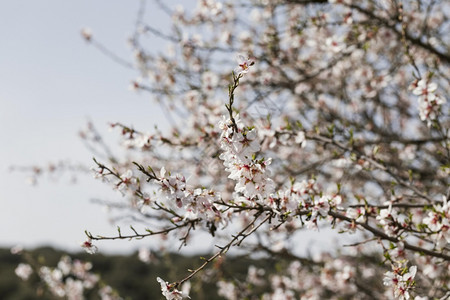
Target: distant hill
{"points": [[130, 276]]}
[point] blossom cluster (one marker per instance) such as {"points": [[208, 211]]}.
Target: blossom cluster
{"points": [[69, 278], [438, 221], [429, 102], [401, 279], [299, 195], [197, 203], [240, 146], [337, 279]]}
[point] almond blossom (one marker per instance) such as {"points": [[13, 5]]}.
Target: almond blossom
{"points": [[429, 101], [401, 281], [250, 173], [89, 247], [169, 291], [244, 64]]}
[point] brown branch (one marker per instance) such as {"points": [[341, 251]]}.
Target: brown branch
{"points": [[139, 235], [445, 57], [375, 163], [384, 236], [392, 25], [234, 242]]}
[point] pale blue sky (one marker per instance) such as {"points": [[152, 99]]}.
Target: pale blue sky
{"points": [[51, 81]]}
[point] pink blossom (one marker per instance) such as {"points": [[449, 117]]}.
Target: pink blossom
{"points": [[169, 291], [89, 247], [244, 64]]}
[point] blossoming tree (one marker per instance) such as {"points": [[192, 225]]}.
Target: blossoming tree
{"points": [[290, 116]]}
